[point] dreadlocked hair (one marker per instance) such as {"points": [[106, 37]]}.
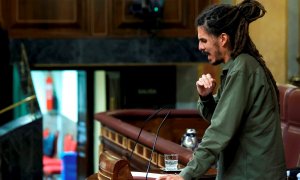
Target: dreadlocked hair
{"points": [[234, 21]]}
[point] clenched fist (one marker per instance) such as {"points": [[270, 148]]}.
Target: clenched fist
{"points": [[205, 85]]}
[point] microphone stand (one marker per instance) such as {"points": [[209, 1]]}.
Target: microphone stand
{"points": [[148, 168], [144, 124]]}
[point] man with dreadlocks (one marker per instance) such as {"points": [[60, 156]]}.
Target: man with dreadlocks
{"points": [[244, 135]]}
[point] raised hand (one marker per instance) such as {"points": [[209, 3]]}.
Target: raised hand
{"points": [[205, 85]]}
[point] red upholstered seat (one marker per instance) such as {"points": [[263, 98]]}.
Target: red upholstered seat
{"points": [[54, 165], [46, 133], [284, 92], [51, 161], [51, 164], [69, 143], [291, 135], [50, 170]]}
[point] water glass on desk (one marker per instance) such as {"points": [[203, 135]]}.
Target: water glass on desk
{"points": [[171, 162]]}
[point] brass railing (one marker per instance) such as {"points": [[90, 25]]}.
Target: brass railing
{"points": [[28, 99]]}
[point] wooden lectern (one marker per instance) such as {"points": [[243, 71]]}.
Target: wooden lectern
{"points": [[112, 167], [120, 129]]}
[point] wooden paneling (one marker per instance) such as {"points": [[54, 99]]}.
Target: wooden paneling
{"points": [[45, 18], [1, 17], [32, 11], [91, 18], [178, 18], [99, 17]]}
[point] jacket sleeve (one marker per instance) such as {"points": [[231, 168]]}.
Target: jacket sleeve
{"points": [[206, 106], [225, 121]]}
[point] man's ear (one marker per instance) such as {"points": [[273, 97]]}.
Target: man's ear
{"points": [[224, 39]]}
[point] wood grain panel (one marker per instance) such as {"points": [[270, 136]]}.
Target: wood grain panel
{"points": [[47, 18], [173, 13], [46, 11], [99, 17], [78, 18], [1, 17]]}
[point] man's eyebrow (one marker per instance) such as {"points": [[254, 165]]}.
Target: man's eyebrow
{"points": [[201, 39]]}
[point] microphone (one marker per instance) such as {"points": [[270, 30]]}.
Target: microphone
{"points": [[156, 135], [144, 124]]}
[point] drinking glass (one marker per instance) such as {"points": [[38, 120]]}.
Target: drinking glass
{"points": [[171, 162]]}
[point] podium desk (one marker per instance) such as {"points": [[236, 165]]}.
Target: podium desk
{"points": [[210, 175], [120, 129]]}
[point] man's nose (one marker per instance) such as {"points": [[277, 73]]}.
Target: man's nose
{"points": [[200, 47]]}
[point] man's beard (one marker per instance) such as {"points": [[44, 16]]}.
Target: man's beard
{"points": [[219, 58], [217, 62]]}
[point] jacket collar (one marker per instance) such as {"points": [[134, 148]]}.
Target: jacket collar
{"points": [[226, 67]]}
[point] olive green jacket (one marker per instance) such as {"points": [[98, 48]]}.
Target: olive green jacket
{"points": [[244, 135]]}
